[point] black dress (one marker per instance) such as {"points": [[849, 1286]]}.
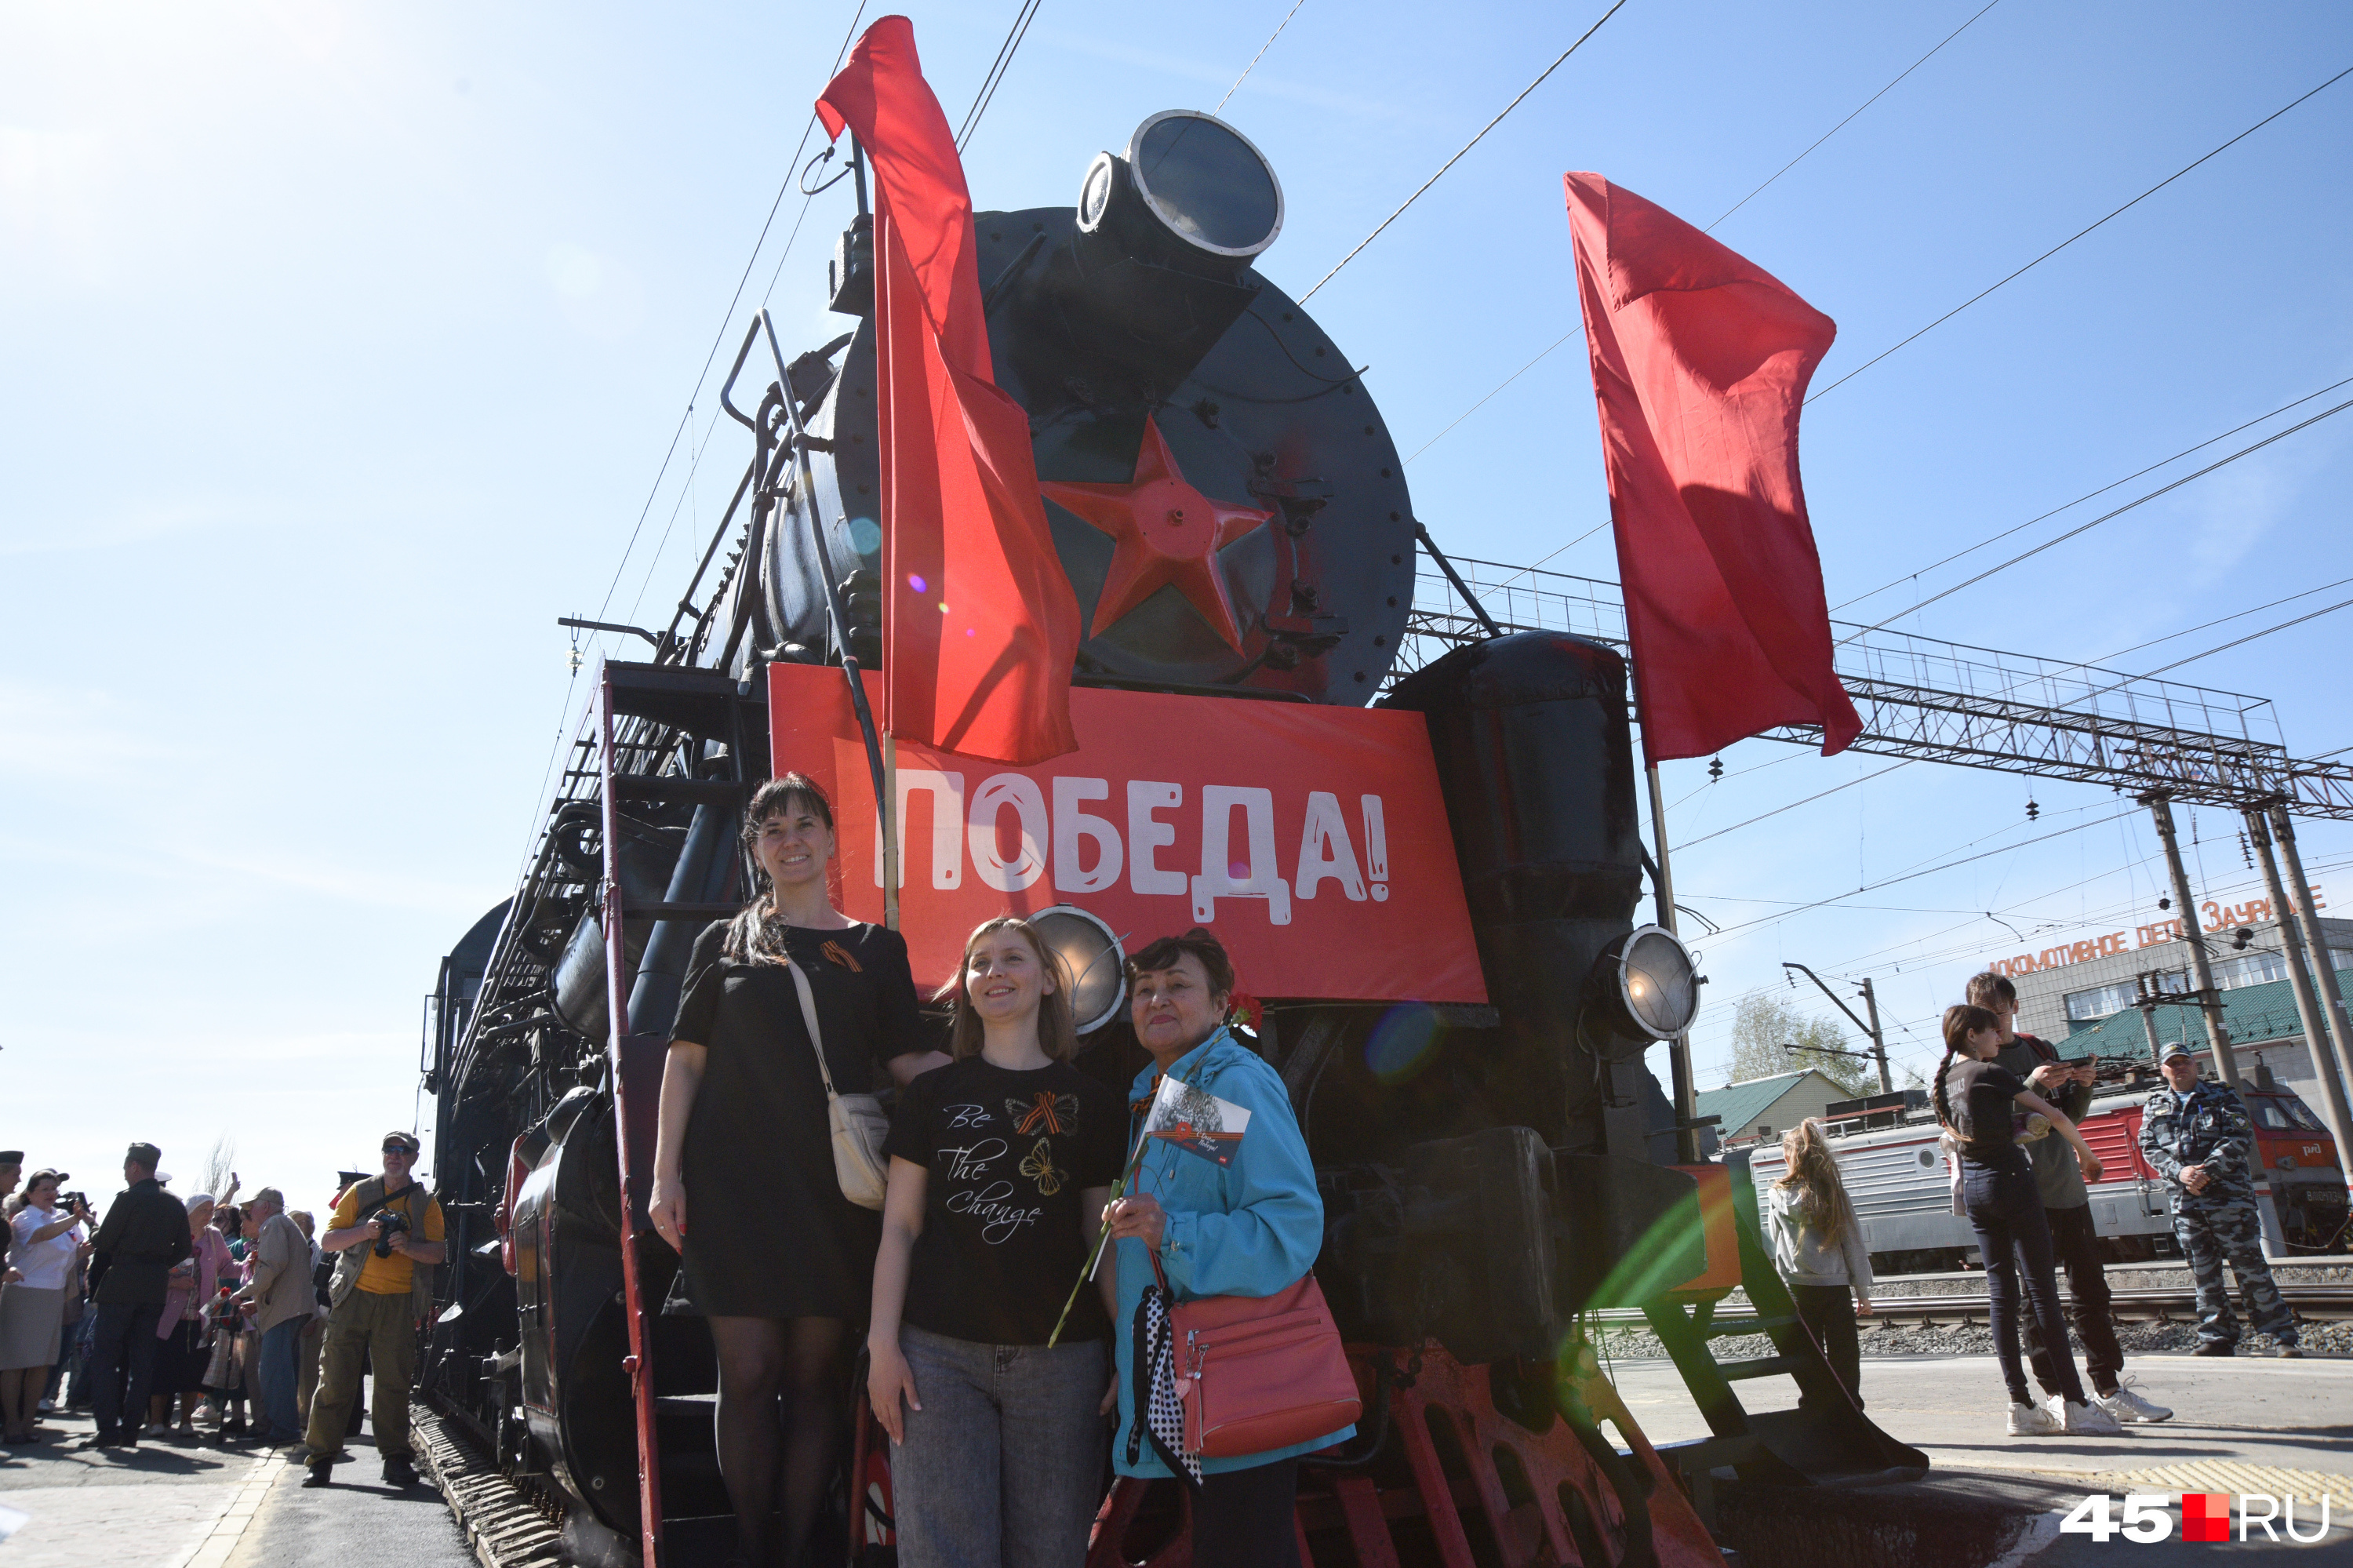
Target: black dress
{"points": [[768, 1234]]}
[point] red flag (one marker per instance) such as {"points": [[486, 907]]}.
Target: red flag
{"points": [[980, 625], [1700, 365]]}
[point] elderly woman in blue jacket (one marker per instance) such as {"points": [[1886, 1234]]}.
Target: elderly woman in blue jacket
{"points": [[1249, 1226]]}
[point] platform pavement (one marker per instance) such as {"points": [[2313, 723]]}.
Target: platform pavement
{"points": [[2239, 1426], [198, 1505]]}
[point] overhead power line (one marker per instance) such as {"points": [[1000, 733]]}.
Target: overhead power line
{"points": [[996, 69], [1842, 125], [1735, 206], [1791, 806], [2018, 527], [2071, 239], [1287, 16], [1915, 875], [2103, 517], [2266, 632], [2235, 615], [1474, 141], [1506, 381], [719, 336]]}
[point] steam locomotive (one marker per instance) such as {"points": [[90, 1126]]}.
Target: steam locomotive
{"points": [[1495, 1154]]}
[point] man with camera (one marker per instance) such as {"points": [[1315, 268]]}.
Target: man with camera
{"points": [[387, 1230]]}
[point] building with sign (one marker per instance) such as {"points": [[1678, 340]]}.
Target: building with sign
{"points": [[2085, 992]]}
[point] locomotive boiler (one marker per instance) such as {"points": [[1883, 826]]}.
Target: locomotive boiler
{"points": [[1494, 1153]]}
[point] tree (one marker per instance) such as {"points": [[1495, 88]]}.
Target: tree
{"points": [[1765, 1022], [217, 1164]]}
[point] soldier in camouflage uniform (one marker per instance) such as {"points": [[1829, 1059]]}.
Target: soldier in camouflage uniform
{"points": [[2199, 1138]]}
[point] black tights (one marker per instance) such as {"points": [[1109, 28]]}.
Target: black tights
{"points": [[782, 1382]]}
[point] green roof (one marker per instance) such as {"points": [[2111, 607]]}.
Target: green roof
{"points": [[1740, 1104], [2254, 1014]]}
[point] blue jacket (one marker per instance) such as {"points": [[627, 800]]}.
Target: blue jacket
{"points": [[1249, 1228]]}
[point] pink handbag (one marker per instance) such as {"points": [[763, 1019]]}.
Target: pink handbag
{"points": [[1257, 1372]]}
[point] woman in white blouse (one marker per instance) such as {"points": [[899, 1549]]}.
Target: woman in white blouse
{"points": [[32, 1308]]}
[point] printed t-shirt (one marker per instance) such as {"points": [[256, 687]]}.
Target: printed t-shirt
{"points": [[1009, 1154], [1980, 1094], [390, 1276]]}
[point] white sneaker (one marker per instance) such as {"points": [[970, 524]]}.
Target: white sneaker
{"points": [[2131, 1408], [2028, 1420], [152, 1429], [2090, 1420]]}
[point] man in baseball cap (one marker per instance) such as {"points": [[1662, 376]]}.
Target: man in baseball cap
{"points": [[388, 1231]]}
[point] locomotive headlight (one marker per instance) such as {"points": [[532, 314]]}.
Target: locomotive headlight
{"points": [[1648, 983], [1190, 179], [1092, 960]]}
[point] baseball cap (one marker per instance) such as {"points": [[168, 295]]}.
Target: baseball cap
{"points": [[146, 1154], [407, 1141], [2176, 1049]]}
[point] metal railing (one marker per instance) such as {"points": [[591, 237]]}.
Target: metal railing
{"points": [[1949, 702]]}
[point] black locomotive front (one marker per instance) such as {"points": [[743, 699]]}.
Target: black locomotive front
{"points": [[1484, 1170]]}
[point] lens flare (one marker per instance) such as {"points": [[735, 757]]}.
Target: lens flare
{"points": [[1403, 1042]]}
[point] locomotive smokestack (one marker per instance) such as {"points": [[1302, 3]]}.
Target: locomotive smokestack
{"points": [[1192, 193], [1159, 265]]}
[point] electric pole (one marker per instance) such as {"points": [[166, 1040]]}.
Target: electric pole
{"points": [[1870, 1030], [2160, 808], [2308, 1007]]}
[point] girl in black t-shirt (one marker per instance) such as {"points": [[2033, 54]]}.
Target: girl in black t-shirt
{"points": [[1974, 1099], [1000, 1165]]}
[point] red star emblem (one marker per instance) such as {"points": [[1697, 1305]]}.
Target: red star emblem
{"points": [[1165, 530]]}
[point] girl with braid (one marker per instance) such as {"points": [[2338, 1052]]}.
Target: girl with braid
{"points": [[1975, 1099]]}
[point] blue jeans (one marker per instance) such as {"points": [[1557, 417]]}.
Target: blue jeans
{"points": [[2014, 1238], [1003, 1467], [123, 1365], [273, 1368]]}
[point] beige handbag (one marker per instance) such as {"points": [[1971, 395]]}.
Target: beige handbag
{"points": [[856, 1121]]}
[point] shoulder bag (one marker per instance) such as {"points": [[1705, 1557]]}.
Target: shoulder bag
{"points": [[856, 1121], [1259, 1373]]}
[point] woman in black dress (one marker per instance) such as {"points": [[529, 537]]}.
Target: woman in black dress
{"points": [[777, 1258]]}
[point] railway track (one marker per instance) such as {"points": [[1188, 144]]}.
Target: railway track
{"points": [[506, 1525], [2159, 1305]]}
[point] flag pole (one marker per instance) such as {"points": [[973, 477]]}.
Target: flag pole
{"points": [[875, 762], [1662, 888], [1679, 1048]]}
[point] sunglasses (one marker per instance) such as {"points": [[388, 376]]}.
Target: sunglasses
{"points": [[398, 1149]]}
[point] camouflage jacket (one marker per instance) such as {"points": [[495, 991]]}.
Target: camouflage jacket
{"points": [[2211, 1130]]}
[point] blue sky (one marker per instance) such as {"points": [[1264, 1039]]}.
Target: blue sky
{"points": [[342, 345]]}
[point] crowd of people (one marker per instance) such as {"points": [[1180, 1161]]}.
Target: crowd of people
{"points": [[200, 1320], [2021, 1172], [167, 1320], [1015, 1237]]}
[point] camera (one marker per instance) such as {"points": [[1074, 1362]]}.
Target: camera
{"points": [[72, 1200], [389, 1223]]}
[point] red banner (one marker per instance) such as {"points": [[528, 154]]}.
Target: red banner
{"points": [[1311, 840]]}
